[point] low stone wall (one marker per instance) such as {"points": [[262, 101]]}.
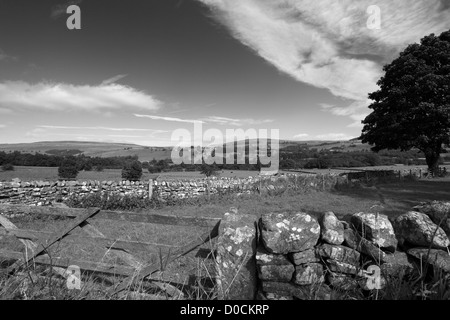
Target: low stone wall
{"points": [[47, 192], [300, 257], [362, 175]]}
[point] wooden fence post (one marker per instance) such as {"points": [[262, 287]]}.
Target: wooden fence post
{"points": [[260, 185], [150, 188]]}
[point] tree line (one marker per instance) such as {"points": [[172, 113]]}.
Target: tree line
{"points": [[82, 162], [290, 158]]}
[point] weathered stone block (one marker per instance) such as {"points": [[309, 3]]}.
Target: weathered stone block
{"points": [[419, 230], [303, 257], [341, 267], [377, 229], [395, 263], [339, 253], [332, 230], [309, 274], [235, 260], [363, 246], [273, 267], [283, 233], [437, 258], [439, 213]]}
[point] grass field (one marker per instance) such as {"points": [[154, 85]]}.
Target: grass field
{"points": [[46, 173], [388, 198], [92, 149]]}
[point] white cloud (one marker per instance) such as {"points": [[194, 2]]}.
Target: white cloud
{"points": [[211, 119], [327, 43], [113, 79], [62, 96], [301, 136], [2, 126], [235, 122], [5, 57], [61, 9], [335, 137], [357, 111], [167, 118], [43, 134], [5, 111], [101, 128]]}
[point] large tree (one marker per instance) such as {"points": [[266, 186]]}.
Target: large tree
{"points": [[412, 107]]}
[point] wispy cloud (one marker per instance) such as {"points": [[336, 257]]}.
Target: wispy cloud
{"points": [[62, 97], [61, 9], [356, 111], [167, 118], [335, 137], [102, 128], [2, 126], [5, 111], [211, 119], [85, 137], [327, 43], [40, 134], [301, 136], [6, 57], [235, 122], [113, 79]]}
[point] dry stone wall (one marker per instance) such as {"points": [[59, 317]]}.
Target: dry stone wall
{"points": [[48, 192], [299, 256]]}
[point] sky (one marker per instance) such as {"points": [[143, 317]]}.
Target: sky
{"points": [[138, 70]]}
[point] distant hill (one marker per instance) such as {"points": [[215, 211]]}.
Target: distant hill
{"points": [[92, 149], [105, 149], [344, 146]]}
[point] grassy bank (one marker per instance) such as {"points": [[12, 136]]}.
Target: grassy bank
{"points": [[193, 274]]}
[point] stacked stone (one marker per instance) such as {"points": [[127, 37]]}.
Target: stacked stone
{"points": [[43, 193], [299, 257], [424, 234], [287, 262], [236, 276]]}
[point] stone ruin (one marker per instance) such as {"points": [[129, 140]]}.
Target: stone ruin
{"points": [[286, 256]]}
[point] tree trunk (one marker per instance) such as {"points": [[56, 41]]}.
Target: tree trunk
{"points": [[432, 158]]}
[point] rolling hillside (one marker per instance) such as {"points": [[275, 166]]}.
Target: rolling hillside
{"points": [[92, 149], [144, 153]]}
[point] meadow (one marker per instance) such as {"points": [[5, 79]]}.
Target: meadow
{"points": [[51, 173]]}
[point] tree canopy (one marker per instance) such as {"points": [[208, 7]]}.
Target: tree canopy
{"points": [[132, 171], [68, 169], [412, 107]]}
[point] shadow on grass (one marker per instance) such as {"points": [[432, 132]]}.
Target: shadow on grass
{"points": [[400, 196]]}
